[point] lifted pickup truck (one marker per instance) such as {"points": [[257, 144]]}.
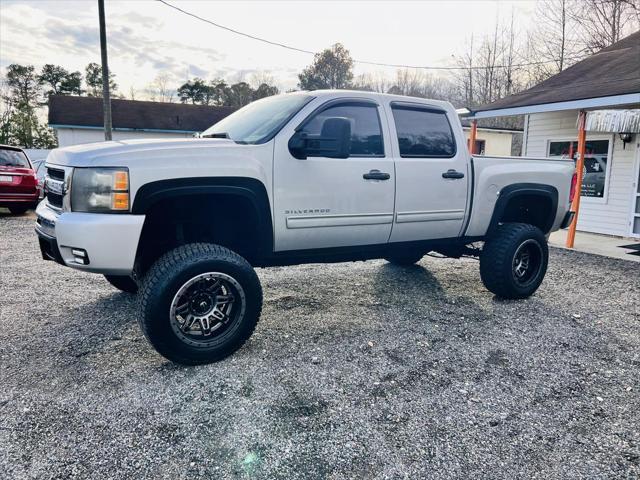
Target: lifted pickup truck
{"points": [[323, 176]]}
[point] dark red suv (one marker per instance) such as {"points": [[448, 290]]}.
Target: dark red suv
{"points": [[19, 186]]}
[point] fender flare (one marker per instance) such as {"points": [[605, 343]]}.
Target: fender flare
{"points": [[508, 193], [251, 189]]}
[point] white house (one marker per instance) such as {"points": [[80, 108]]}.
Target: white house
{"points": [[499, 141], [606, 86], [80, 119]]}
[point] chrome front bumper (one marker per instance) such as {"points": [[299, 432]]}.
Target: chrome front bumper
{"points": [[110, 242]]}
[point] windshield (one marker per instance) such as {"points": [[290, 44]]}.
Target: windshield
{"points": [[259, 121], [13, 158]]}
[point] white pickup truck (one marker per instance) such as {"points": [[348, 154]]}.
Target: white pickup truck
{"points": [[323, 176]]}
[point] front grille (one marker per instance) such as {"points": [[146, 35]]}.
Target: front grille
{"points": [[55, 173], [57, 177]]}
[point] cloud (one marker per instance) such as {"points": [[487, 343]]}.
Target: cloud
{"points": [[138, 19], [140, 46], [74, 38], [79, 39], [197, 71]]}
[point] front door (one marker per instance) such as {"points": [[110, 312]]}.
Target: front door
{"points": [[432, 174], [333, 202]]}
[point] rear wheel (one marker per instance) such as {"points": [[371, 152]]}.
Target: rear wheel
{"points": [[18, 210], [199, 303], [123, 283], [513, 263], [404, 259]]}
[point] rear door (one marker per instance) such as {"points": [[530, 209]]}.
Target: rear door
{"points": [[335, 202], [432, 176]]}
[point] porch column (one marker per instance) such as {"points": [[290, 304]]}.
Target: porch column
{"points": [[575, 206], [472, 136]]}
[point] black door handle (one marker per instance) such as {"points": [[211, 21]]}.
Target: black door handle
{"points": [[376, 175], [451, 173]]}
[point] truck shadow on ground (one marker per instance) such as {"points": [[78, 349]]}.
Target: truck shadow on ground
{"points": [[110, 321], [94, 326], [416, 289], [407, 280], [411, 297]]}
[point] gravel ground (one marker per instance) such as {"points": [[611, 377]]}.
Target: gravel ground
{"points": [[359, 370]]}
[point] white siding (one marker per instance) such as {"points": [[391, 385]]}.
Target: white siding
{"points": [[75, 136], [611, 214]]}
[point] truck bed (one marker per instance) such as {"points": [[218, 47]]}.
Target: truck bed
{"points": [[490, 174]]}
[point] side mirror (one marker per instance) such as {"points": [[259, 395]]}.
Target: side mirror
{"points": [[334, 141], [298, 145]]}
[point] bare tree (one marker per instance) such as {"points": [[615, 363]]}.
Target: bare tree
{"points": [[509, 57], [408, 82], [485, 68], [504, 62], [463, 78], [159, 90], [489, 71], [165, 92], [604, 22], [261, 77], [553, 43], [372, 82]]}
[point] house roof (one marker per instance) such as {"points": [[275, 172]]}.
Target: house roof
{"points": [[86, 112], [612, 72]]}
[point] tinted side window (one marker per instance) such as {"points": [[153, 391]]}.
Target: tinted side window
{"points": [[423, 133], [366, 133]]}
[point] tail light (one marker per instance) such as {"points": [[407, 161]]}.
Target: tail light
{"points": [[572, 190]]}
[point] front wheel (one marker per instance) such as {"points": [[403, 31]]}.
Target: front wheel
{"points": [[513, 262], [199, 303]]}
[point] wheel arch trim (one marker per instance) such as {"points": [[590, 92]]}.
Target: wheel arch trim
{"points": [[513, 191], [251, 189]]}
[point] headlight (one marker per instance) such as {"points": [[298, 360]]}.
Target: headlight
{"points": [[100, 190]]}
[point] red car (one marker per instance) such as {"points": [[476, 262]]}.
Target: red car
{"points": [[19, 186]]}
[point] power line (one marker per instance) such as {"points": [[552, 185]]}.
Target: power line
{"points": [[237, 32], [364, 62]]}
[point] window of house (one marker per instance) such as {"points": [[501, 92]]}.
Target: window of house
{"points": [[595, 172], [366, 132], [423, 132]]}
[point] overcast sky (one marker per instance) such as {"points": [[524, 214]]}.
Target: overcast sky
{"points": [[147, 37]]}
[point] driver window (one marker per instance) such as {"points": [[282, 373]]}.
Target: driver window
{"points": [[366, 133]]}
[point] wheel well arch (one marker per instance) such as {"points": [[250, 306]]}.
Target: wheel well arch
{"points": [[231, 211], [531, 203]]}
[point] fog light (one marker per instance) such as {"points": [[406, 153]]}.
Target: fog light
{"points": [[80, 256]]}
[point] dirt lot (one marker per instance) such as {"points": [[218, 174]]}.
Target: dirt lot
{"points": [[359, 370]]}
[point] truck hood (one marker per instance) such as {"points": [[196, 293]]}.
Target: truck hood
{"points": [[129, 152]]}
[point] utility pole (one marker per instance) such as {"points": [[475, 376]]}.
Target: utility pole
{"points": [[106, 99]]}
